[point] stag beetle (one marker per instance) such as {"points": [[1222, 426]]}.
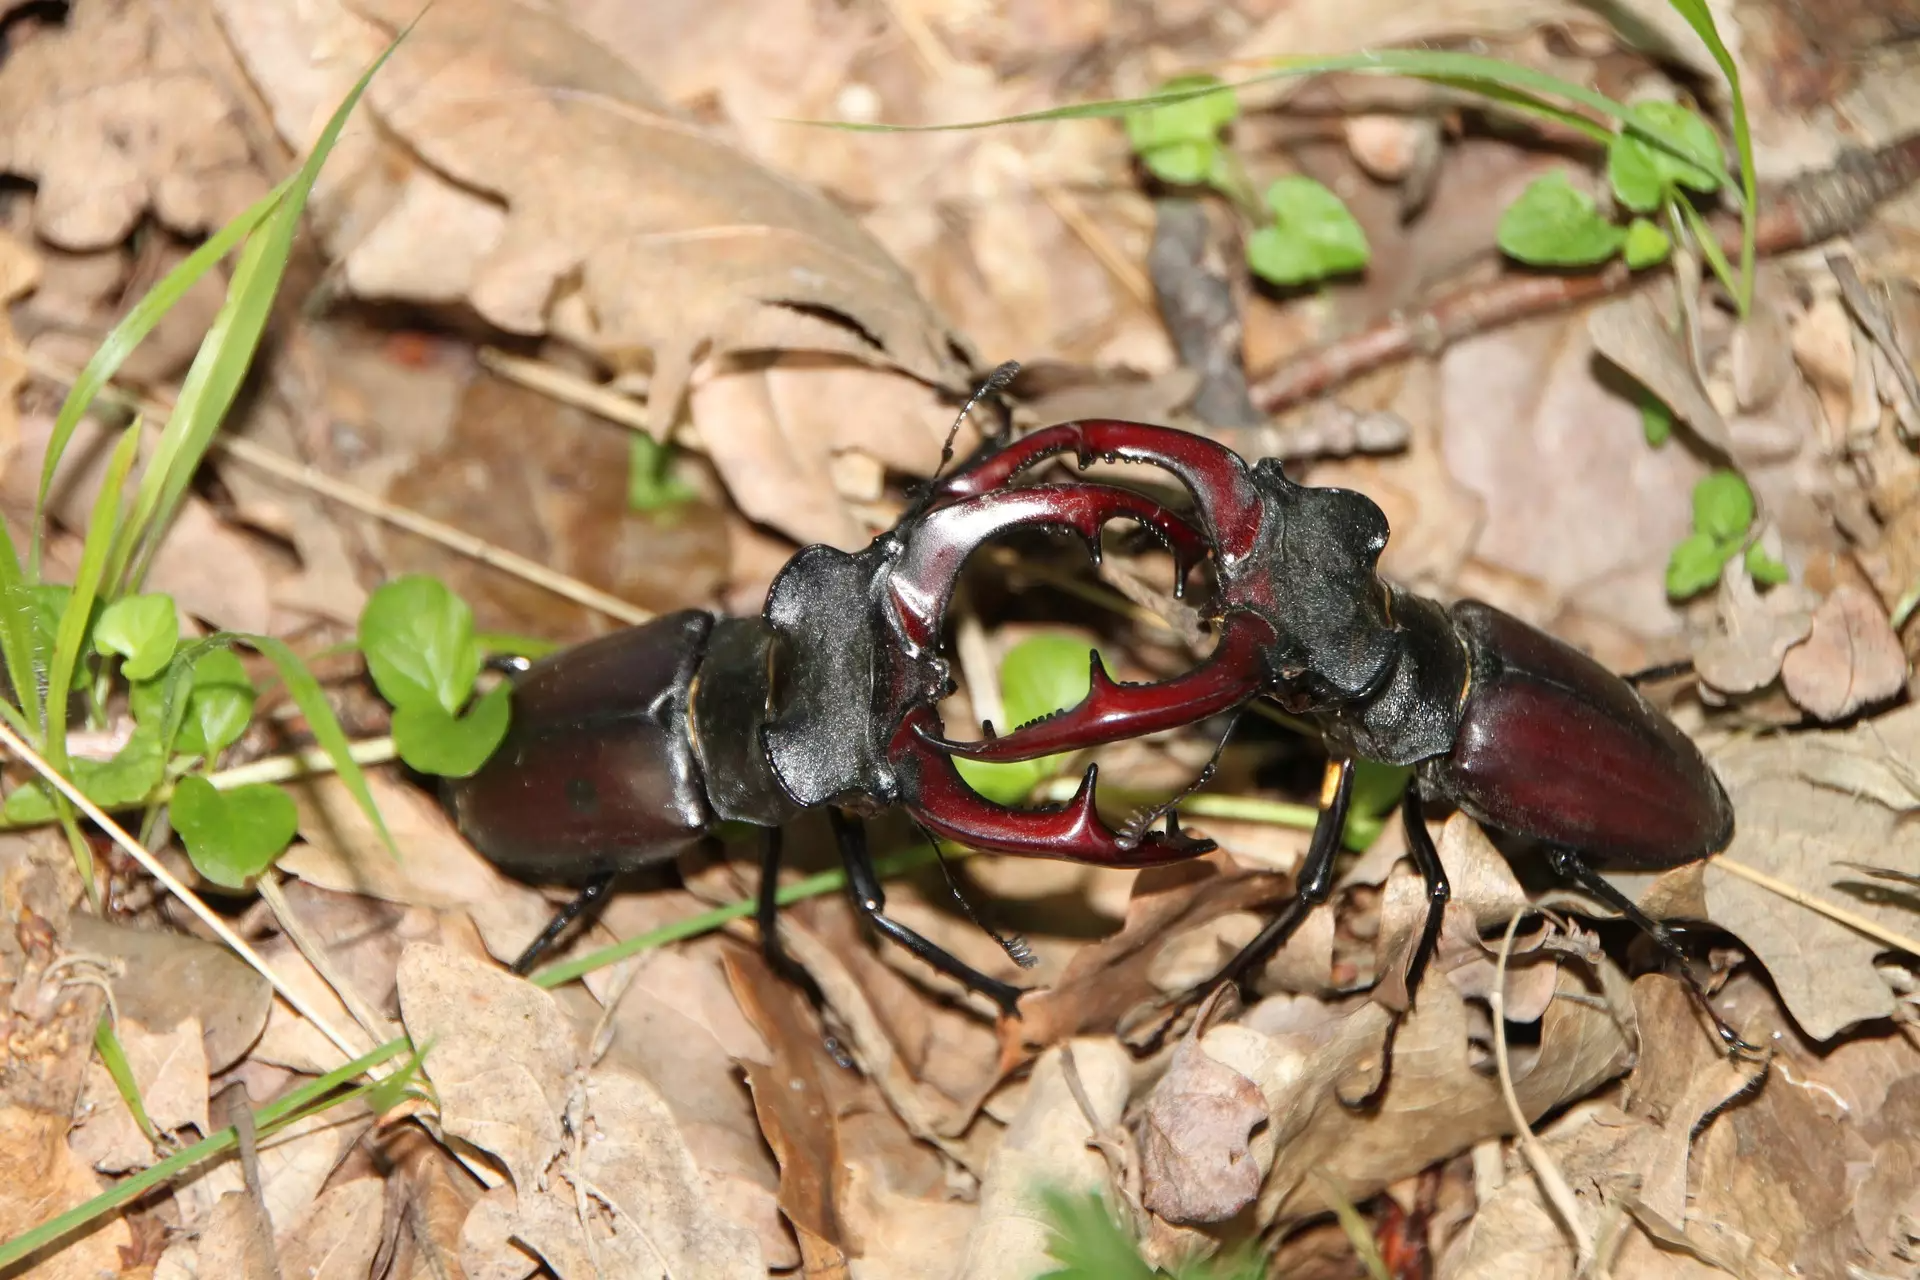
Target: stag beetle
{"points": [[1521, 731], [625, 750]]}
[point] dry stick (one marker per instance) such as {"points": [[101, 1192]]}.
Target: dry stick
{"points": [[13, 742], [370, 1019], [1806, 211], [1838, 914], [1553, 1184], [305, 477]]}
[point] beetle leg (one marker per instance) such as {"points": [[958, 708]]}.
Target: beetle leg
{"points": [[1229, 502], [921, 580], [942, 802], [1571, 866], [1420, 843], [863, 882], [1315, 883], [1113, 712], [594, 890]]}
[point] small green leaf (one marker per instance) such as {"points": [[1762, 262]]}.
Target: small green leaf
{"points": [[1642, 171], [219, 706], [1038, 677], [120, 783], [1087, 1242], [1313, 236], [1184, 164], [1647, 245], [232, 836], [432, 741], [1722, 506], [1656, 420], [1554, 224], [651, 484], [144, 630], [1196, 119], [1763, 568], [419, 644], [1695, 565]]}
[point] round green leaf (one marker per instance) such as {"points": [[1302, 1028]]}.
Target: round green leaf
{"points": [[144, 630], [432, 741], [1196, 119], [1038, 677], [1695, 565], [1763, 568], [1554, 224], [1647, 245], [232, 836], [219, 705], [120, 783], [419, 644], [1312, 236], [1722, 506], [1183, 164], [1642, 172]]}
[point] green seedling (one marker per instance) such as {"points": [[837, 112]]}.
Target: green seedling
{"points": [[1723, 514], [424, 656]]}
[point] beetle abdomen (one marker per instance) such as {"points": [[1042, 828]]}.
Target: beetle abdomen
{"points": [[597, 771], [1554, 746]]}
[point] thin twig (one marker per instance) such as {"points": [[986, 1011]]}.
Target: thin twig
{"points": [[154, 867], [1812, 208], [1838, 914], [1553, 1184]]}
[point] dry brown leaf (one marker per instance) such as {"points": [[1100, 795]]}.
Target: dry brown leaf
{"points": [[658, 1218], [170, 1068], [1574, 499], [795, 1113], [19, 274], [1752, 632], [341, 851], [544, 181], [1638, 333], [167, 977], [501, 1057], [125, 109], [1851, 659], [1045, 1145], [237, 1241], [1195, 1160], [338, 1237], [295, 1163], [1805, 803], [1435, 1104]]}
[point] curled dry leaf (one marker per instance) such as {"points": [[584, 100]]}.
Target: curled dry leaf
{"points": [[1752, 631], [1195, 1159], [1851, 659], [1636, 333], [125, 109], [539, 177], [1046, 1146], [335, 1239]]}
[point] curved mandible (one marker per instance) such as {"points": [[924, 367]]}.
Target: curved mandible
{"points": [[1229, 502], [921, 581], [941, 801]]}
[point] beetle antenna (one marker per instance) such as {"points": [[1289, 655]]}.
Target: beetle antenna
{"points": [[995, 382], [1137, 826], [1013, 944]]}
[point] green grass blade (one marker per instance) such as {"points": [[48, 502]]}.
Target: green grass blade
{"points": [[224, 357], [16, 646], [332, 739], [115, 1060], [1683, 211], [129, 334], [102, 526], [272, 1116], [1701, 20]]}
